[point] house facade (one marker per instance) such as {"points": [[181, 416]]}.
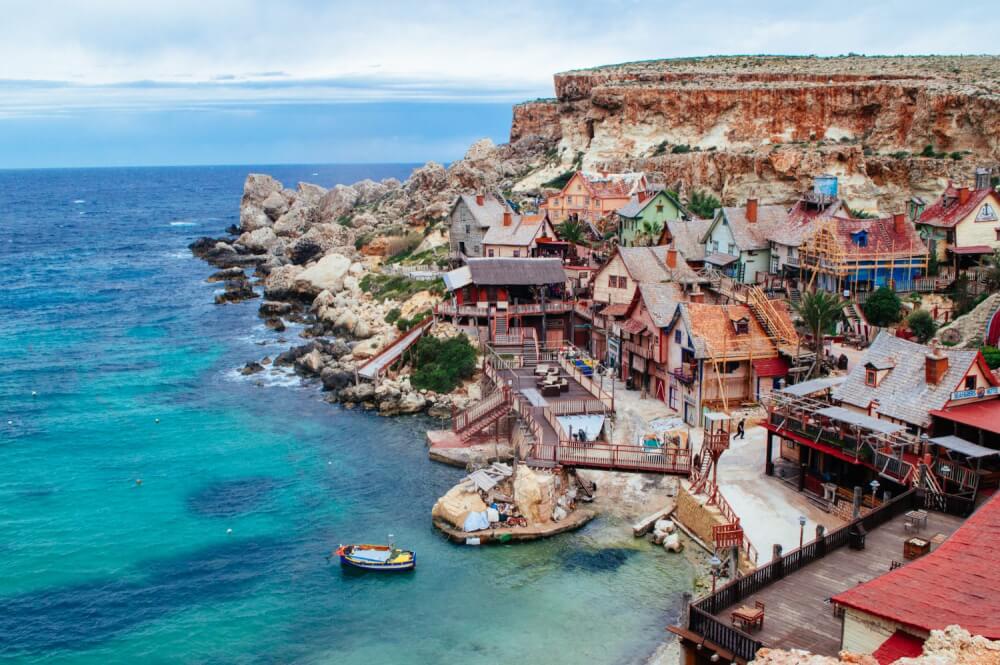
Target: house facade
{"points": [[643, 219], [737, 240], [517, 236], [594, 197], [469, 218], [963, 221]]}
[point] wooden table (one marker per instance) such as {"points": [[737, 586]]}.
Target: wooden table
{"points": [[918, 518], [748, 616]]}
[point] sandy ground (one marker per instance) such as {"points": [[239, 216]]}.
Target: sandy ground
{"points": [[768, 508], [634, 413]]}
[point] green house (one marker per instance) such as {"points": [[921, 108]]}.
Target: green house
{"points": [[641, 221]]}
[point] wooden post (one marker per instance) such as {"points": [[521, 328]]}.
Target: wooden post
{"points": [[768, 461], [856, 507]]}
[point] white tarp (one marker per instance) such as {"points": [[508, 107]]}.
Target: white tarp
{"points": [[592, 425], [665, 424], [476, 522]]}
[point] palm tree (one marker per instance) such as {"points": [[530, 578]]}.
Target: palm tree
{"points": [[817, 311], [649, 232], [571, 231]]}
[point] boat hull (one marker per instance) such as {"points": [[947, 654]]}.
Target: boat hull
{"points": [[346, 554], [385, 567]]}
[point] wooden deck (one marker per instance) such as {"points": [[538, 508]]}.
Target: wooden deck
{"points": [[798, 613]]}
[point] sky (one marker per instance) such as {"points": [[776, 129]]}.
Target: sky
{"points": [[119, 82]]}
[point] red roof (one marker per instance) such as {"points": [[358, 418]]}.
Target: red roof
{"points": [[882, 236], [947, 211], [619, 309], [955, 584], [972, 249], [899, 645], [633, 326], [981, 415], [771, 367]]}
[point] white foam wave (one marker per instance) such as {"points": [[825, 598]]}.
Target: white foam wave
{"points": [[183, 223], [79, 201], [271, 377]]}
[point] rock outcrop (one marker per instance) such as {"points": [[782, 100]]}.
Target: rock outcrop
{"points": [[766, 125]]}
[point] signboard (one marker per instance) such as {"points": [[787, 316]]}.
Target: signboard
{"points": [[978, 392]]}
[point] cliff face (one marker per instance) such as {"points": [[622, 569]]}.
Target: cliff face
{"points": [[767, 125]]}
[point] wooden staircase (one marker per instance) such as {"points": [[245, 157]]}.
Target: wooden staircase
{"points": [[466, 424], [779, 328], [794, 296]]}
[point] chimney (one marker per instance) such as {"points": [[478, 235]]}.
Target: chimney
{"points": [[752, 210], [643, 195], [982, 178], [507, 218], [480, 199], [671, 258], [899, 223], [697, 295], [935, 365], [963, 195]]}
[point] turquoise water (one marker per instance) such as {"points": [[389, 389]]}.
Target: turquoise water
{"points": [[218, 556]]}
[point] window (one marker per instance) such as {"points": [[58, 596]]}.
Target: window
{"points": [[659, 207], [466, 229], [715, 246], [986, 214], [732, 249], [612, 282], [870, 377], [731, 366], [860, 238], [517, 253], [489, 252], [623, 282], [677, 336], [997, 230], [742, 326], [970, 382]]}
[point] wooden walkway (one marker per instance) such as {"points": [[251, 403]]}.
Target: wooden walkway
{"points": [[393, 351], [798, 613]]}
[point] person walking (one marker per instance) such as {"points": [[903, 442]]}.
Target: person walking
{"points": [[741, 429]]}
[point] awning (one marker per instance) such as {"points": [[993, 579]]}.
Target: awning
{"points": [[614, 310], [813, 386], [960, 445], [632, 326], [843, 415], [720, 259], [972, 249], [457, 278], [770, 367], [899, 645], [981, 415]]}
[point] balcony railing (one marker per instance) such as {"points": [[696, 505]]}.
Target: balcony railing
{"points": [[684, 374]]}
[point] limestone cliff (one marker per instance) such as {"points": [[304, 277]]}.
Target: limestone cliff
{"points": [[765, 125]]}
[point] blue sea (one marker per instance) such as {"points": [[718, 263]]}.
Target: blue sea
{"points": [[116, 367]]}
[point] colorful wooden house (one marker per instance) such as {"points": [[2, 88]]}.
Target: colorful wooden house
{"points": [[594, 197], [642, 220], [962, 222]]}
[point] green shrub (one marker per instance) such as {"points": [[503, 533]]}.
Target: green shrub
{"points": [[928, 151], [957, 156], [680, 149], [703, 204], [560, 180], [441, 365], [900, 154], [393, 315], [661, 149], [922, 325], [883, 307]]}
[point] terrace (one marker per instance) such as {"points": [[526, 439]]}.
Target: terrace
{"points": [[795, 588]]}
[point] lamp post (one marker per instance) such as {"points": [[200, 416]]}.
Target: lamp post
{"points": [[716, 564], [945, 472], [874, 485], [802, 529]]}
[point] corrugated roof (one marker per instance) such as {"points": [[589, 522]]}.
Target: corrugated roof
{"points": [[946, 211], [956, 583], [904, 393], [457, 278], [516, 272], [967, 448], [850, 417], [813, 386]]}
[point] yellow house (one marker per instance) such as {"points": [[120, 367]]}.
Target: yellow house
{"points": [[963, 221], [594, 196]]}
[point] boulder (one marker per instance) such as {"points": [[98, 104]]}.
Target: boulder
{"points": [[258, 241], [294, 222], [226, 274], [327, 273], [336, 203], [336, 379], [361, 392], [256, 189], [281, 282], [535, 494], [237, 290], [275, 323], [456, 505], [310, 364], [319, 240], [403, 402], [309, 194], [274, 206], [251, 368], [672, 543], [270, 308]]}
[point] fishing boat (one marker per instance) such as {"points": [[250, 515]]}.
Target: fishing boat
{"points": [[376, 557]]}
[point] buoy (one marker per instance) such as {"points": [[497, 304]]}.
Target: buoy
{"points": [[229, 530], [34, 393], [138, 481], [157, 421], [10, 422]]}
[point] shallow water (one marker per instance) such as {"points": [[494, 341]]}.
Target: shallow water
{"points": [[219, 555]]}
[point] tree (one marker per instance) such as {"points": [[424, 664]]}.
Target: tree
{"points": [[703, 204], [649, 232], [818, 310], [571, 230], [883, 307], [440, 365], [921, 324], [992, 275]]}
